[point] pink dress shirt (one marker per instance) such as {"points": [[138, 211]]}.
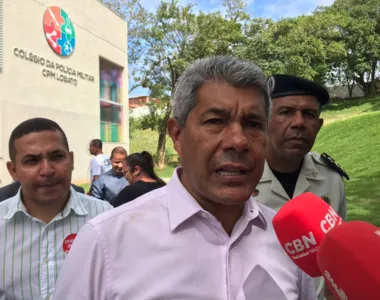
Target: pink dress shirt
{"points": [[163, 245]]}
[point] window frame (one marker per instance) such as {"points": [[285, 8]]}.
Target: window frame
{"points": [[120, 104]]}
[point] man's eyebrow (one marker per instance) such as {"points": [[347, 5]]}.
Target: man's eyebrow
{"points": [[57, 151], [293, 108], [39, 155], [216, 111], [255, 116]]}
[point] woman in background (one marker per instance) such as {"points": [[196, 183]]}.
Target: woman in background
{"points": [[139, 171]]}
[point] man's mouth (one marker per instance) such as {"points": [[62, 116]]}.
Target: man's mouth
{"points": [[48, 184], [232, 170], [297, 138]]}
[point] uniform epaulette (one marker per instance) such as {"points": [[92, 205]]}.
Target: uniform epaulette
{"points": [[334, 165]]}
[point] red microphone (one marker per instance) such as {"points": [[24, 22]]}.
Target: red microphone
{"points": [[300, 226], [349, 259]]}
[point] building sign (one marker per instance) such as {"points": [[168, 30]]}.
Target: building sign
{"points": [[53, 70], [59, 31]]}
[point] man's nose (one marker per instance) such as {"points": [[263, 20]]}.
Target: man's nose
{"points": [[235, 138], [298, 120], [46, 168]]}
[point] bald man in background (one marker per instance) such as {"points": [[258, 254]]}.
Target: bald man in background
{"points": [[109, 184]]}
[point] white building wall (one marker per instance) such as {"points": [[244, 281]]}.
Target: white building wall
{"points": [[26, 93]]}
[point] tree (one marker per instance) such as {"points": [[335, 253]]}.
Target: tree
{"points": [[136, 16], [176, 37], [287, 46], [236, 10], [357, 24]]}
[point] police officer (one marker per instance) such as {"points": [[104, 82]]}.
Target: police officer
{"points": [[290, 169]]}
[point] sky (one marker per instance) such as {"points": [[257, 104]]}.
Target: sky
{"points": [[275, 9]]}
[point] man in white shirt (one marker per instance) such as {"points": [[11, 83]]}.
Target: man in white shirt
{"points": [[202, 236], [39, 224], [101, 163]]}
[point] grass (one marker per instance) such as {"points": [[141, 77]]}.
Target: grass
{"points": [[340, 110], [351, 135], [354, 143], [147, 140]]}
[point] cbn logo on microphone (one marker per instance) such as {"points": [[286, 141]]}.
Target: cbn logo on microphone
{"points": [[342, 295], [307, 244]]}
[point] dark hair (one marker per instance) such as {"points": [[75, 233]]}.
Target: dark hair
{"points": [[145, 161], [30, 126], [119, 150], [97, 144]]}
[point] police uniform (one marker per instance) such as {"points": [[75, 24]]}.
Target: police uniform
{"points": [[318, 174]]}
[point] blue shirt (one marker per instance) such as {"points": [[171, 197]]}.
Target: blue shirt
{"points": [[108, 185]]}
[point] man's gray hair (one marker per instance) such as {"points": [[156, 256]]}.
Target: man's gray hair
{"points": [[236, 72]]}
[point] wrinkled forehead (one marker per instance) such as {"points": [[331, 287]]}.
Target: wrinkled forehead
{"points": [[222, 96], [297, 101], [40, 143]]}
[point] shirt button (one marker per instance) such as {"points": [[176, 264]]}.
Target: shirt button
{"points": [[46, 260]]}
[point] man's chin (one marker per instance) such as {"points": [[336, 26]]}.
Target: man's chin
{"points": [[296, 152], [52, 193], [233, 196]]}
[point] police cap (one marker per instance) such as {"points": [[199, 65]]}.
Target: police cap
{"points": [[287, 85]]}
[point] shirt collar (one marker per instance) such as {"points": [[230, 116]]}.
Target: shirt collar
{"points": [[15, 205], [252, 212], [267, 173], [74, 204], [308, 169], [182, 206]]}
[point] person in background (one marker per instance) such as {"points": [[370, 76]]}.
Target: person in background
{"points": [[202, 236], [11, 190], [39, 224], [139, 171], [100, 164], [290, 168], [109, 184]]}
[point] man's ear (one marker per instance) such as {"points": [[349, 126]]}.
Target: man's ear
{"points": [[174, 129], [71, 154], [12, 170]]}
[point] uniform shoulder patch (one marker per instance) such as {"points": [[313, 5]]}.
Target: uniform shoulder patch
{"points": [[334, 165]]}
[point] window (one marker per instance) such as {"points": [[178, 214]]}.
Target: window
{"points": [[111, 102], [1, 36]]}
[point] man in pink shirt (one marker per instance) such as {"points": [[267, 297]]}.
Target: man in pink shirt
{"points": [[202, 236]]}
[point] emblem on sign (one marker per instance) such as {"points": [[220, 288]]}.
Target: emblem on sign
{"points": [[59, 31]]}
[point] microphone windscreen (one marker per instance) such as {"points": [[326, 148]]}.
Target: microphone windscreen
{"points": [[301, 225], [349, 259]]}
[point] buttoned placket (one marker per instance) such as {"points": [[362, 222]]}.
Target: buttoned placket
{"points": [[227, 242], [47, 264]]}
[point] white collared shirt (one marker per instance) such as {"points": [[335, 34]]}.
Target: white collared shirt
{"points": [[31, 252], [163, 245]]}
